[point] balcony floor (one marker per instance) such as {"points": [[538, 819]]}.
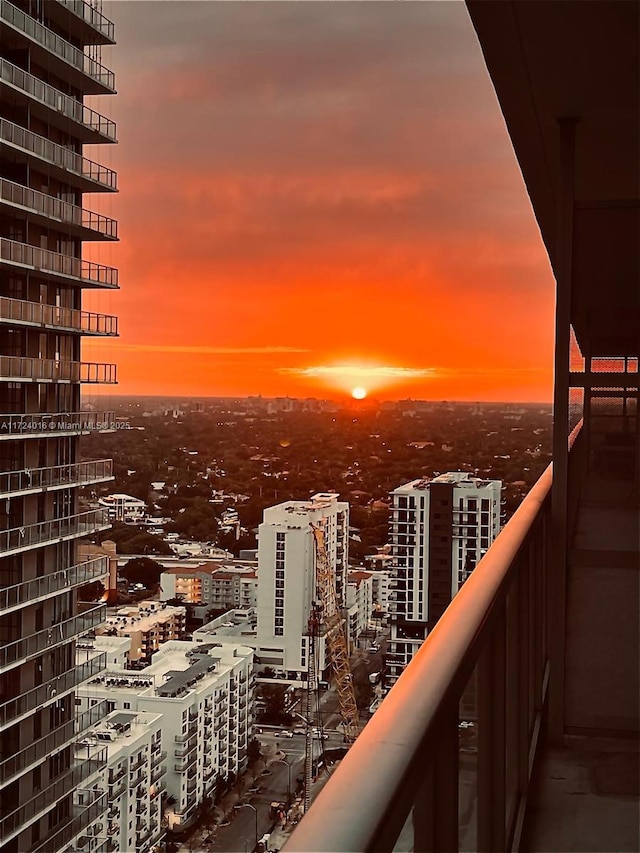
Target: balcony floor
{"points": [[585, 798]]}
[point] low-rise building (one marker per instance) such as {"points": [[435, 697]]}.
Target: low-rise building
{"points": [[124, 508], [148, 624], [212, 585], [204, 692]]}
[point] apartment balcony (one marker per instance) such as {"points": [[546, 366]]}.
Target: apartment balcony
{"points": [[37, 425], [42, 802], [83, 816], [25, 146], [50, 211], [16, 653], [426, 783], [38, 589], [85, 21], [138, 779], [35, 480], [43, 533], [158, 758], [138, 764], [20, 30], [57, 108], [19, 312], [18, 369], [57, 267], [157, 773]]}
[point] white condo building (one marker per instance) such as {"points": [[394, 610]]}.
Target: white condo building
{"points": [[136, 765], [439, 530], [124, 508], [204, 694], [287, 577]]}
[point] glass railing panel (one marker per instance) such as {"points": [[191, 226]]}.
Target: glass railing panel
{"points": [[37, 588], [50, 691], [56, 370], [76, 474], [50, 423], [32, 535], [468, 780]]}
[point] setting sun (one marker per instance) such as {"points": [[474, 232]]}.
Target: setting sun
{"points": [[359, 393]]}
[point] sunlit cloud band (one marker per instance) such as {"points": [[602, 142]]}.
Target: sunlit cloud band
{"points": [[206, 350], [358, 372]]}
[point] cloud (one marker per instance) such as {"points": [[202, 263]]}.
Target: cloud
{"points": [[358, 372], [203, 350]]}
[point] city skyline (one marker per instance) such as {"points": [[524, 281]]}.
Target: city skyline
{"points": [[317, 198]]}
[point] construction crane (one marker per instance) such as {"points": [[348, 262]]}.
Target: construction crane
{"points": [[328, 616]]}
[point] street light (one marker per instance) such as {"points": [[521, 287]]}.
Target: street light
{"points": [[284, 761], [255, 811]]}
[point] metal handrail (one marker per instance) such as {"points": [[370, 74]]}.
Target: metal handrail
{"points": [[35, 424], [46, 38], [57, 100], [53, 316], [81, 524], [32, 590], [57, 209], [404, 734], [55, 263], [38, 479], [56, 370]]}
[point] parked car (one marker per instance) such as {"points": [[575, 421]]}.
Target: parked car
{"points": [[284, 733]]}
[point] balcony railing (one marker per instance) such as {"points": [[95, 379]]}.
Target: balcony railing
{"points": [[57, 100], [16, 368], [39, 588], [57, 530], [62, 786], [21, 312], [50, 691], [437, 786], [85, 816], [55, 44], [35, 425], [91, 16], [57, 210], [56, 476], [21, 650], [13, 253]]}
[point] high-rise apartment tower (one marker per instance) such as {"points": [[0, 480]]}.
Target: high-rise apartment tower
{"points": [[287, 577], [439, 530], [49, 60]]}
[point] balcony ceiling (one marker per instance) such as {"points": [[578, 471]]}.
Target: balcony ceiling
{"points": [[581, 59]]}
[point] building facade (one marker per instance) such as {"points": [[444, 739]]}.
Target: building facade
{"points": [[439, 530], [287, 577], [124, 508], [147, 624], [50, 59], [204, 694], [136, 767]]}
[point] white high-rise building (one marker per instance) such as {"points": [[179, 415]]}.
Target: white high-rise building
{"points": [[439, 530], [287, 578]]}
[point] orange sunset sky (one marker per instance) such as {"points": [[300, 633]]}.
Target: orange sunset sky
{"points": [[316, 196]]}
